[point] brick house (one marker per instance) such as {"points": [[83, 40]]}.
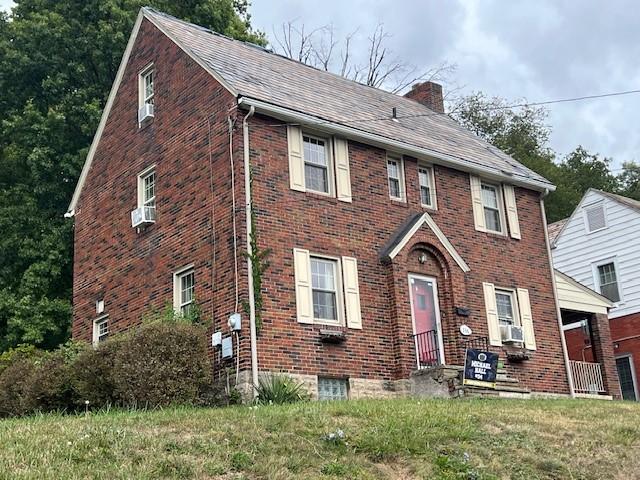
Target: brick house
{"points": [[598, 246], [395, 237]]}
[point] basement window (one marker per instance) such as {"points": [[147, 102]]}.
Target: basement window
{"points": [[332, 388]]}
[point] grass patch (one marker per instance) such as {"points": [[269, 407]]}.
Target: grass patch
{"points": [[393, 439]]}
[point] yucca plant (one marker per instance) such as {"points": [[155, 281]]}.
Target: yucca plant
{"points": [[280, 389]]}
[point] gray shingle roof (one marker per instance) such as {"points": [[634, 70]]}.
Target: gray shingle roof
{"points": [[257, 73]]}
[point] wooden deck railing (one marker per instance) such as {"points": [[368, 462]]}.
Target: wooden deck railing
{"points": [[587, 377]]}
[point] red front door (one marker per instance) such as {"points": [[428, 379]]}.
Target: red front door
{"points": [[424, 305]]}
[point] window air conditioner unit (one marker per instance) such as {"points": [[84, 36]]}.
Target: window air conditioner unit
{"points": [[142, 216], [145, 112], [511, 334]]}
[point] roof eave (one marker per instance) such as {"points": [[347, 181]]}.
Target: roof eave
{"points": [[289, 115]]}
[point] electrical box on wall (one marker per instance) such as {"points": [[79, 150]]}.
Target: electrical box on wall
{"points": [[227, 347], [235, 322], [216, 339]]}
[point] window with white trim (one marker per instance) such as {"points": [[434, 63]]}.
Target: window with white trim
{"points": [[332, 388], [395, 178], [325, 289], [317, 159], [184, 291], [147, 188], [492, 206], [100, 330], [146, 86], [427, 186], [506, 306], [608, 281]]}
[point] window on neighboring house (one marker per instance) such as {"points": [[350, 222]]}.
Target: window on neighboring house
{"points": [[427, 186], [507, 313], [595, 217], [395, 176], [147, 188], [183, 291], [608, 281], [316, 164], [332, 388], [491, 203], [146, 86], [324, 284], [100, 330]]}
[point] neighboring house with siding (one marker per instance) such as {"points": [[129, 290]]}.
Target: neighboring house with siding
{"points": [[396, 237], [598, 246]]}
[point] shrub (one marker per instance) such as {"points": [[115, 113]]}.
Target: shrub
{"points": [[161, 364], [279, 389], [15, 386], [11, 355], [92, 374], [52, 383]]}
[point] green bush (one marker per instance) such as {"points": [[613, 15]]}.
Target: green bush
{"points": [[279, 389], [15, 386], [161, 364], [92, 375], [11, 355]]}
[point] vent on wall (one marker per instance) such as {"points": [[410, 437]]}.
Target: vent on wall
{"points": [[595, 218]]}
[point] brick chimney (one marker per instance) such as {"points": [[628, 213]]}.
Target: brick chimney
{"points": [[428, 94]]}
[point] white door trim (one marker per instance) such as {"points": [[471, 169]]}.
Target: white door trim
{"points": [[629, 356], [436, 303]]}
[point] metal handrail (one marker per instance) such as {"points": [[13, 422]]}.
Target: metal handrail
{"points": [[427, 349]]}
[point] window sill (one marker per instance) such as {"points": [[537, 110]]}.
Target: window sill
{"points": [[145, 123], [321, 196], [428, 208], [398, 201]]}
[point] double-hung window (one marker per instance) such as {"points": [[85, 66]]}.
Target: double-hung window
{"points": [[324, 284], [395, 177], [147, 188], [316, 164], [184, 291], [492, 206], [146, 86], [507, 313], [100, 330], [427, 186], [608, 281]]}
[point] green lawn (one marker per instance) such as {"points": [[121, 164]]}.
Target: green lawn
{"points": [[462, 439]]}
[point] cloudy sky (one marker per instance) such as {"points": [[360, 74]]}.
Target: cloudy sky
{"points": [[537, 51]]}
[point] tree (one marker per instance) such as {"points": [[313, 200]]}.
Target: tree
{"points": [[380, 68], [629, 180], [57, 62]]}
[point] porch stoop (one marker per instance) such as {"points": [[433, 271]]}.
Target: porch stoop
{"points": [[446, 381]]}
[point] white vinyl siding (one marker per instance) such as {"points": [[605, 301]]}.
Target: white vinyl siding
{"points": [[426, 183], [395, 178], [184, 290], [577, 251], [326, 289]]}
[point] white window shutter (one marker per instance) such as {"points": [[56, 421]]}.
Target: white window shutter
{"points": [[512, 211], [296, 159], [492, 314], [476, 200], [351, 292], [526, 319], [304, 295], [343, 176]]}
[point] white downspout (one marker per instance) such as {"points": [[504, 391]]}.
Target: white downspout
{"points": [[555, 297], [252, 302]]}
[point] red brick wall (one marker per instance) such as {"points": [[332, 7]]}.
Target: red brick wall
{"points": [[134, 271], [625, 332], [383, 349], [578, 345]]}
